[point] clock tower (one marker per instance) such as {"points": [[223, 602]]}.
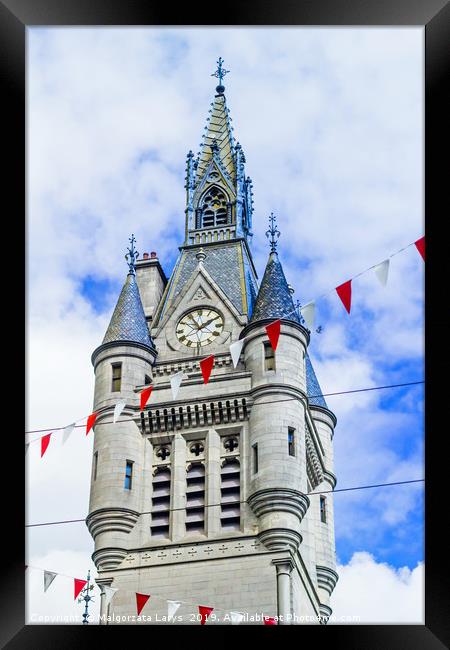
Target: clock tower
{"points": [[219, 495]]}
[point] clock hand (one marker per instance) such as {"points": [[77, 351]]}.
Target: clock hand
{"points": [[209, 322]]}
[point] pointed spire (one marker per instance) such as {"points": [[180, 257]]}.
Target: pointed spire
{"points": [[128, 322], [274, 299], [218, 137]]}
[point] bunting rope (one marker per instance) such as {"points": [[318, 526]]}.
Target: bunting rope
{"points": [[288, 399], [214, 505], [141, 599]]}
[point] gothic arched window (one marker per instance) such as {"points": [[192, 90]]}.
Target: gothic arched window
{"points": [[214, 208]]}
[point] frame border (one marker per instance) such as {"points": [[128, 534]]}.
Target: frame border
{"points": [[434, 15]]}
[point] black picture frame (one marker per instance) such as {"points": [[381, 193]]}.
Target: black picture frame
{"points": [[434, 15]]}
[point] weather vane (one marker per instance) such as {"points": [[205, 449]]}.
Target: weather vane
{"points": [[132, 256], [85, 597], [220, 73], [273, 233]]}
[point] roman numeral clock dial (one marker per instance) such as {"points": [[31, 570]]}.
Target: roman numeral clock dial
{"points": [[199, 328]]}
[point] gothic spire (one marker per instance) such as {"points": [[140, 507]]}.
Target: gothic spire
{"points": [[218, 138]]}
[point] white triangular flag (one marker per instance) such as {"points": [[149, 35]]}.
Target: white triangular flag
{"points": [[175, 383], [49, 576], [308, 312], [382, 271], [109, 593], [236, 618], [172, 606], [235, 351], [118, 409], [67, 431]]}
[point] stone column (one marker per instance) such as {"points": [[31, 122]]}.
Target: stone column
{"points": [[102, 583], [212, 495], [284, 567], [178, 513]]}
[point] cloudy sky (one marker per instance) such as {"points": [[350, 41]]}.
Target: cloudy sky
{"points": [[331, 122]]}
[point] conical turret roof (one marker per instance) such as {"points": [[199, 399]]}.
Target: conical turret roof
{"points": [[128, 322], [274, 298]]}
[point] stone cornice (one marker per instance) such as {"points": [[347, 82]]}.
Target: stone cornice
{"points": [[280, 539], [108, 559], [326, 578], [330, 477], [279, 499], [118, 344], [104, 520], [266, 321], [322, 410]]}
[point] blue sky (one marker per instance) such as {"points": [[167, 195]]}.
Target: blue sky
{"points": [[331, 123]]}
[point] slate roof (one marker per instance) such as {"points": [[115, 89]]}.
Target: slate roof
{"points": [[274, 299], [219, 129], [128, 321], [312, 385]]}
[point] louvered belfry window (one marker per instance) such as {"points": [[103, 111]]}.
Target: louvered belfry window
{"points": [[230, 491], [161, 502], [195, 499]]}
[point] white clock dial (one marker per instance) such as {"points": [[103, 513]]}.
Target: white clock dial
{"points": [[199, 327]]}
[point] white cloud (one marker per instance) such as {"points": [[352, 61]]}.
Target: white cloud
{"points": [[378, 593]]}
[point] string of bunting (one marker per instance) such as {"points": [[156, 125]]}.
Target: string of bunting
{"points": [[204, 612], [308, 311], [49, 576]]}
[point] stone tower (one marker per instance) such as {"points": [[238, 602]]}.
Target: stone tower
{"points": [[212, 498]]}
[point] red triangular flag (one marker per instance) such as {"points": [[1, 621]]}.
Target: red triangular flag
{"points": [[78, 585], [420, 245], [90, 422], [344, 291], [45, 440], [269, 620], [206, 365], [141, 599], [145, 394], [273, 332], [204, 613]]}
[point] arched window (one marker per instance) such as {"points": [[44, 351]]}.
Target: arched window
{"points": [[214, 208]]}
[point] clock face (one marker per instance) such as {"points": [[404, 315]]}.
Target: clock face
{"points": [[199, 327]]}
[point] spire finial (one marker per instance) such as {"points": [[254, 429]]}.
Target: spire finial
{"points": [[273, 233], [132, 256], [220, 73], [201, 255]]}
